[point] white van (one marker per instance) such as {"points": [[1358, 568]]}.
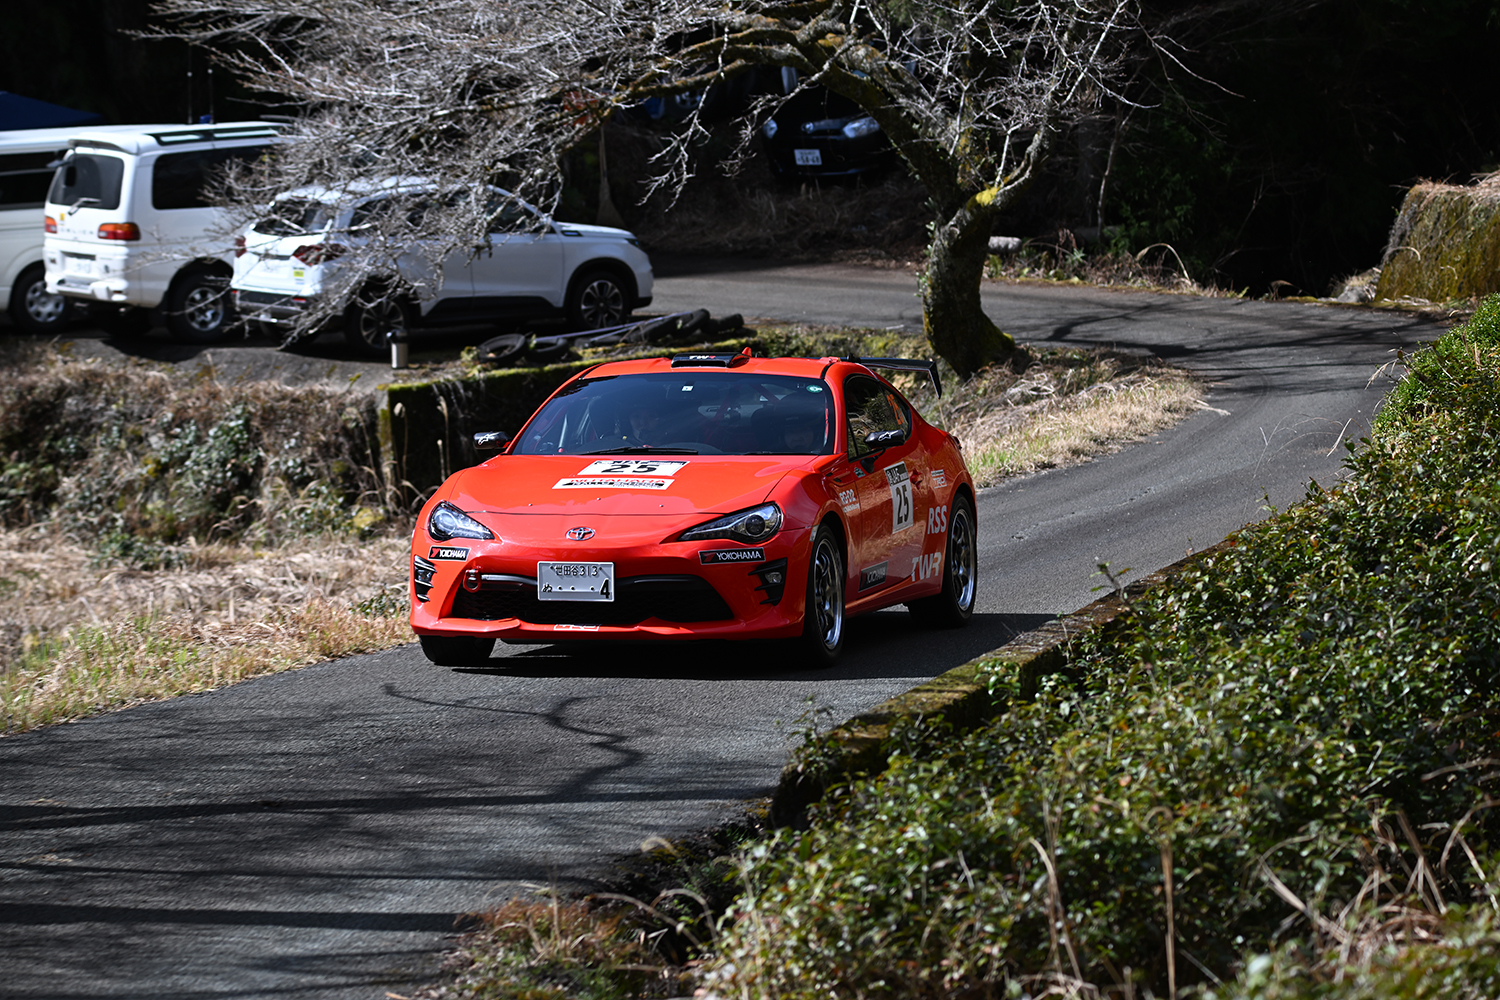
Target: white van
{"points": [[128, 224], [26, 159]]}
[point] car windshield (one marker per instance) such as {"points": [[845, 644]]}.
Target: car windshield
{"points": [[295, 216], [707, 413]]}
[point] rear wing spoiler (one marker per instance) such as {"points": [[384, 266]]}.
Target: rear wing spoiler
{"points": [[903, 365]]}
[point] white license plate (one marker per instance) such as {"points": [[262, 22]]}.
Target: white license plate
{"points": [[808, 157], [575, 581]]}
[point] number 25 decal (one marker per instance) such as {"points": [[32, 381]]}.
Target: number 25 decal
{"points": [[901, 504]]}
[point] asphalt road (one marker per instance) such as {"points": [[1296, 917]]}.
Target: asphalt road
{"points": [[314, 834]]}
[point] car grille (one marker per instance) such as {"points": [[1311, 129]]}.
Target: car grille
{"points": [[671, 598]]}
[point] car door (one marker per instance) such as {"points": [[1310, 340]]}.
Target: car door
{"points": [[888, 487], [521, 264]]}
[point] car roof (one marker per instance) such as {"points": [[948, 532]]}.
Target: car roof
{"points": [[711, 362], [40, 139], [741, 364], [146, 138]]}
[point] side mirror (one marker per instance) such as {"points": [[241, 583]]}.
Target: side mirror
{"points": [[885, 439], [490, 440]]}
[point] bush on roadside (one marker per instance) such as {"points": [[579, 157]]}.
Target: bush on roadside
{"points": [[137, 460], [1298, 730]]}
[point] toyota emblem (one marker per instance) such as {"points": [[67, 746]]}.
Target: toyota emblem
{"points": [[580, 534]]}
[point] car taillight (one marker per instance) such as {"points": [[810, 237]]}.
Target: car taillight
{"points": [[50, 225], [119, 231], [317, 253], [239, 246]]}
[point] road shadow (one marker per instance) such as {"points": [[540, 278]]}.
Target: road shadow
{"points": [[880, 645]]}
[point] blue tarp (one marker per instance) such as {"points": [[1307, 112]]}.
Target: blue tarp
{"points": [[17, 112]]}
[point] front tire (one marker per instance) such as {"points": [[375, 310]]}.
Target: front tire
{"points": [[33, 308], [198, 310], [457, 650], [371, 321], [954, 604], [597, 300], [823, 613]]}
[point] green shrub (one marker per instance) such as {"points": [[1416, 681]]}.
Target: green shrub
{"points": [[1281, 714]]}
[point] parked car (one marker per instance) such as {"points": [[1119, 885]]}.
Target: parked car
{"points": [[293, 266], [817, 133], [26, 166], [129, 227], [703, 496]]}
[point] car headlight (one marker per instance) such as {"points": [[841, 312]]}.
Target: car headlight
{"points": [[755, 525], [447, 521], [861, 126], [769, 128]]}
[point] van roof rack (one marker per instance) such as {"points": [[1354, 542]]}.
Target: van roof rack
{"points": [[903, 365]]}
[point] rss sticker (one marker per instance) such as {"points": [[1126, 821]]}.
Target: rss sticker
{"points": [[901, 505], [937, 520]]}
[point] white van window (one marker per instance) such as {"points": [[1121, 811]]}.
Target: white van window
{"points": [[88, 176], [24, 178], [181, 180]]}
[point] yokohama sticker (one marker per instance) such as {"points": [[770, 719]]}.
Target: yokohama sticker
{"points": [[872, 576], [611, 483], [447, 552], [575, 628], [710, 556]]}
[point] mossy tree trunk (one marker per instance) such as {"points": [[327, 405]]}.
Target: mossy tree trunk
{"points": [[953, 316]]}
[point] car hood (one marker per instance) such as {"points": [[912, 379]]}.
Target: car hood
{"points": [[579, 229], [598, 484]]}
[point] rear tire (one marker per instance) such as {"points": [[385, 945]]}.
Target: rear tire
{"points": [[198, 308], [370, 320], [954, 604], [823, 613], [33, 308], [598, 300], [457, 650]]}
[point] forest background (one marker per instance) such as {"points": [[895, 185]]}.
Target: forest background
{"points": [[1276, 170]]}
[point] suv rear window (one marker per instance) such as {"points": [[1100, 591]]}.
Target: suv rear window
{"points": [[181, 180], [91, 176], [296, 216], [24, 179]]}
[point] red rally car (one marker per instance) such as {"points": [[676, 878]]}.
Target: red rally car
{"points": [[707, 496]]}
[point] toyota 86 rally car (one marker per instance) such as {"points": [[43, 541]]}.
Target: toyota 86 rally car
{"points": [[707, 496]]}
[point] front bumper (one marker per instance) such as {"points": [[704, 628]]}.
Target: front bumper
{"points": [[465, 587]]}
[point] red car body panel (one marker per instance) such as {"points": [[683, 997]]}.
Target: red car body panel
{"points": [[634, 519]]}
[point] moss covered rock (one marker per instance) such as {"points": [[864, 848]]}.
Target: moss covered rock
{"points": [[1445, 243]]}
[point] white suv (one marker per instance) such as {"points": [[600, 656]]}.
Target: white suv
{"points": [[323, 257], [129, 224]]}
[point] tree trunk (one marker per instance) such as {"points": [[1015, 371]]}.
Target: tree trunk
{"points": [[952, 318]]}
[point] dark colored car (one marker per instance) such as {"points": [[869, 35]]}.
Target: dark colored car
{"points": [[817, 133]]}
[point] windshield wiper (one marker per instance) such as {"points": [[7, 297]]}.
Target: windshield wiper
{"points": [[642, 449]]}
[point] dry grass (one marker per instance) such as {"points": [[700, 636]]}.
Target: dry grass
{"points": [[81, 639], [1065, 408]]}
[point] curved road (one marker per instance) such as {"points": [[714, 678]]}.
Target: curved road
{"points": [[315, 833]]}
